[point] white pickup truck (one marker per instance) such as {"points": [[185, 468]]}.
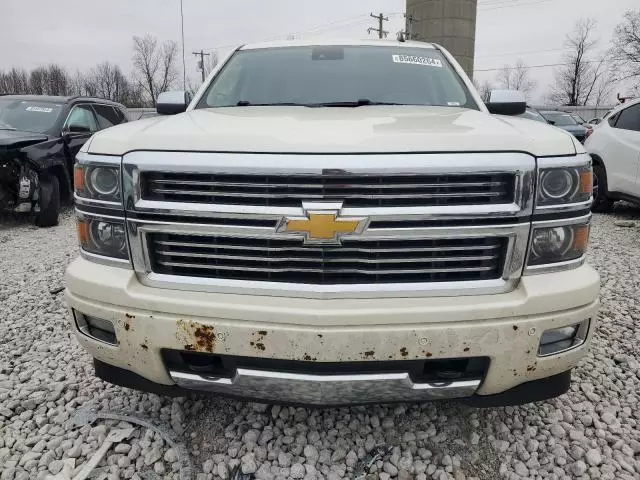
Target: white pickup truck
{"points": [[335, 223]]}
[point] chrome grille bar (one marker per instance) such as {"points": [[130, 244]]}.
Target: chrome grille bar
{"points": [[202, 193], [323, 270], [213, 256], [287, 184], [316, 250], [402, 260], [353, 190]]}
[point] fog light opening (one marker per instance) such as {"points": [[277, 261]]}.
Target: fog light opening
{"points": [[558, 340], [96, 328]]}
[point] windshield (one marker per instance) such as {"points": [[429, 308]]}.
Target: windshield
{"points": [[578, 118], [337, 76], [560, 119], [533, 115], [27, 115]]}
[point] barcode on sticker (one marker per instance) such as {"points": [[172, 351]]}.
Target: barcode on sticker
{"points": [[414, 60]]}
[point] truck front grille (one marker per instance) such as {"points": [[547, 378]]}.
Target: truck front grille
{"points": [[353, 190], [355, 262]]}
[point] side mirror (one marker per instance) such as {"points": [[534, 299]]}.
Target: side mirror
{"points": [[551, 122], [506, 102], [76, 128], [171, 103], [594, 121]]}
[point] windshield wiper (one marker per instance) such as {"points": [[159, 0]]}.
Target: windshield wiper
{"points": [[358, 103], [245, 103], [349, 104]]}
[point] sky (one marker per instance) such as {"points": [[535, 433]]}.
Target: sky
{"points": [[80, 33]]}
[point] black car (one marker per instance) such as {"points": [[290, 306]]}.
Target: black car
{"points": [[566, 121], [39, 139], [533, 114]]}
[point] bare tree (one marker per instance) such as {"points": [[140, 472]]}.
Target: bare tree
{"points": [[516, 78], [38, 81], [603, 89], [14, 81], [577, 79], [626, 46], [155, 65], [77, 84], [484, 89], [134, 96], [106, 80], [49, 80], [57, 80]]}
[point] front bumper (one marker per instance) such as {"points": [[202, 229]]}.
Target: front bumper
{"points": [[505, 328]]}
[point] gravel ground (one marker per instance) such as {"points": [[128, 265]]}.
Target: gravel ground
{"points": [[47, 386]]}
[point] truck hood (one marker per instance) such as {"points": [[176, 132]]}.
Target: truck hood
{"points": [[17, 139], [368, 129]]}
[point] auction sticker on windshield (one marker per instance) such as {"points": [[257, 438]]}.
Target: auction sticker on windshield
{"points": [[414, 60], [39, 109]]}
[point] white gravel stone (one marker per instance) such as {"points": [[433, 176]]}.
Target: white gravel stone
{"points": [[297, 470], [593, 457]]}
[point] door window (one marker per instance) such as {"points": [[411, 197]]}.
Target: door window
{"points": [[107, 116], [121, 115], [629, 118], [81, 115]]}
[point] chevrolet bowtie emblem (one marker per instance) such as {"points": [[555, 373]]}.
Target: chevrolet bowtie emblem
{"points": [[323, 224]]}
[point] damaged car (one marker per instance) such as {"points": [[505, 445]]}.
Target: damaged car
{"points": [[39, 139]]}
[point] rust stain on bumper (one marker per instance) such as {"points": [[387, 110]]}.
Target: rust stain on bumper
{"points": [[196, 337]]}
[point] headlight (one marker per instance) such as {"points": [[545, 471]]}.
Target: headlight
{"points": [[104, 237], [558, 244], [566, 185], [97, 182]]}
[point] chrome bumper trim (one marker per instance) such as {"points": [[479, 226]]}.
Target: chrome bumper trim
{"points": [[326, 389]]}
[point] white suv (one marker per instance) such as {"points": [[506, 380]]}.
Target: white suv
{"points": [[615, 149]]}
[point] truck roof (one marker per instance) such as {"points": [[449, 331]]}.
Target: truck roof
{"points": [[336, 42]]}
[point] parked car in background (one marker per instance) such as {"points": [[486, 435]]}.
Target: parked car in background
{"points": [[39, 139], [615, 149], [578, 118], [148, 115], [567, 122], [533, 114], [589, 126]]}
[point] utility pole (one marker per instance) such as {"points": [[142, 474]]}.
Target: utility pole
{"points": [[381, 19], [201, 54], [409, 27], [184, 65]]}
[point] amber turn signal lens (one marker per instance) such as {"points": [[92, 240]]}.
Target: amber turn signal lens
{"points": [[83, 232], [78, 178], [581, 238], [586, 181]]}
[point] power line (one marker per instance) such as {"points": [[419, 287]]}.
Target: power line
{"points": [[201, 54], [538, 66], [318, 28], [499, 7], [382, 33], [526, 52]]}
